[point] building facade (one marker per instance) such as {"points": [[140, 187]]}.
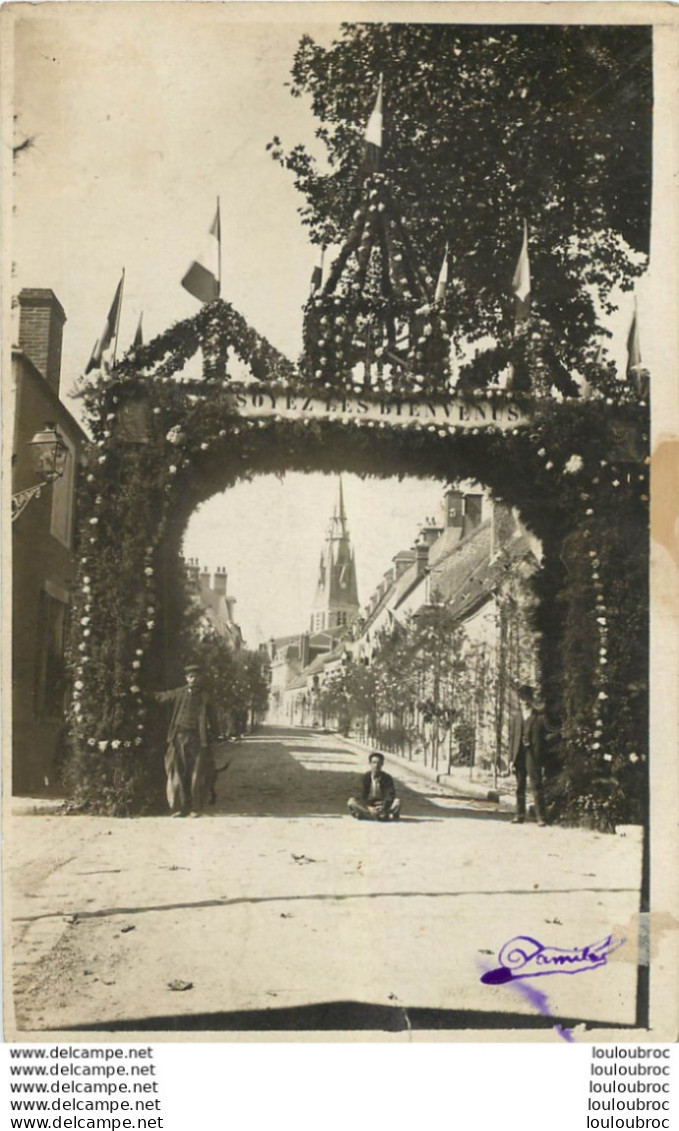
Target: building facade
{"points": [[429, 667], [43, 551], [434, 660], [216, 606]]}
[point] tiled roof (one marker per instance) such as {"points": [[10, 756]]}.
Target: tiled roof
{"points": [[471, 583], [452, 572], [283, 641], [313, 668], [450, 539], [395, 593]]}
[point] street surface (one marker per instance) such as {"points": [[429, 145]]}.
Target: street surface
{"points": [[277, 910]]}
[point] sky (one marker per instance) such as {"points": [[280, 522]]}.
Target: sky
{"points": [[269, 534], [141, 118], [134, 140], [142, 115]]}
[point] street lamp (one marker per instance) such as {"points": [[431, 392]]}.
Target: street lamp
{"points": [[48, 459]]}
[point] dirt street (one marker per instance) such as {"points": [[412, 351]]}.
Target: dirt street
{"points": [[278, 911]]}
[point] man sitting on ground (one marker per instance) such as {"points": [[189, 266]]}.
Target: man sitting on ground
{"points": [[378, 799]]}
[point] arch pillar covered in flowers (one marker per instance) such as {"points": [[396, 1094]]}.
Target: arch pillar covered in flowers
{"points": [[165, 441]]}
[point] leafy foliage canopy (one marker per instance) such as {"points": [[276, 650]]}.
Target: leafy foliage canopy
{"points": [[484, 126]]}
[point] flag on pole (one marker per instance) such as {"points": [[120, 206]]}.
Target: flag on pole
{"points": [[110, 330], [317, 275], [139, 336], [521, 280], [633, 347], [373, 133], [203, 278], [316, 280], [442, 282]]}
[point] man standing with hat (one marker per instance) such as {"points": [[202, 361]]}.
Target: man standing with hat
{"points": [[378, 801], [188, 760], [526, 753]]}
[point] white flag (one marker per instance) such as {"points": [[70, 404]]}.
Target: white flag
{"points": [[442, 282], [373, 131], [521, 280]]}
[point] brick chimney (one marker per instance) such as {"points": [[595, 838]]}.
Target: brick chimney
{"points": [[192, 570], [41, 330], [219, 581], [421, 551], [205, 580], [454, 509], [473, 507]]}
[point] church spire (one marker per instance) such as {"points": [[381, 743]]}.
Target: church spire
{"points": [[342, 514], [338, 528], [336, 602]]}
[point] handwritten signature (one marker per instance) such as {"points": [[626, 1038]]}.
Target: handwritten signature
{"points": [[524, 957]]}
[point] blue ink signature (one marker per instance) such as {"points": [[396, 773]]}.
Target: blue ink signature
{"points": [[524, 957]]}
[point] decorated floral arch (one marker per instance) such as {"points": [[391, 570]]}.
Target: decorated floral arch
{"points": [[164, 440]]}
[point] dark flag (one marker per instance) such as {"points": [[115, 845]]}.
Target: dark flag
{"points": [[317, 275], [110, 330]]}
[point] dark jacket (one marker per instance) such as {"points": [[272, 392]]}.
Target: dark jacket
{"points": [[386, 785], [207, 721], [534, 739]]}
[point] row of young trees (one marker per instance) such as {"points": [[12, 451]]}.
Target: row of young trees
{"points": [[431, 692], [238, 683]]}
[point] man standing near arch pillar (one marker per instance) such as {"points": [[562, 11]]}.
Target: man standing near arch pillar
{"points": [[189, 764], [526, 752]]}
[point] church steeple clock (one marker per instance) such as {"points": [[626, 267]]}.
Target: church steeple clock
{"points": [[336, 601]]}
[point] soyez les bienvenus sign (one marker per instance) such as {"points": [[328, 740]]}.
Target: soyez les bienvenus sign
{"points": [[500, 413]]}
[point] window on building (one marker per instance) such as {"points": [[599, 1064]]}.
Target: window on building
{"points": [[341, 619], [50, 683]]}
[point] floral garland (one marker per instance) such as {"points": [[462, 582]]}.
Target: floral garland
{"points": [[376, 298], [216, 329], [565, 470]]}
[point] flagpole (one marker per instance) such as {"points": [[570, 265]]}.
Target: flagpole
{"points": [[120, 307], [219, 250]]}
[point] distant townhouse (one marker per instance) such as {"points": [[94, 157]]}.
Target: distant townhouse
{"points": [[216, 605]]}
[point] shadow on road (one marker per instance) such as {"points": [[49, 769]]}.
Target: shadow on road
{"points": [[286, 774], [340, 1016]]}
